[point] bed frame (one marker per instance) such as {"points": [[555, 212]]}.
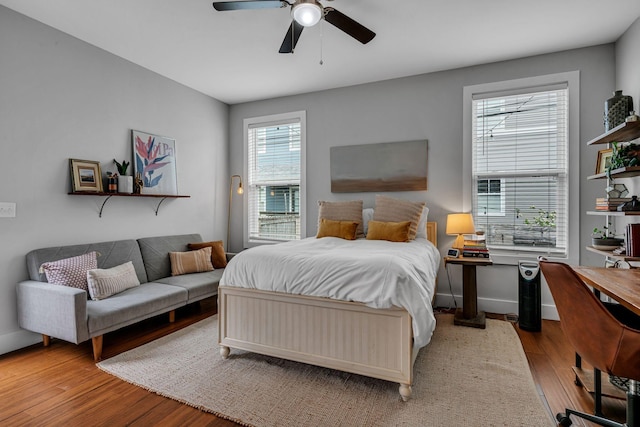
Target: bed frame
{"points": [[334, 334]]}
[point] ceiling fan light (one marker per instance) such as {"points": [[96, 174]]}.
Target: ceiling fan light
{"points": [[307, 14]]}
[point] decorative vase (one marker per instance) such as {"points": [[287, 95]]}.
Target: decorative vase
{"points": [[125, 184], [112, 184], [617, 109]]}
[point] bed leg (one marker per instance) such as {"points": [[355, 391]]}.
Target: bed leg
{"points": [[224, 351], [405, 392]]}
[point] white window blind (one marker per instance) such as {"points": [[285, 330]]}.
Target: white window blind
{"points": [[520, 171], [274, 176]]}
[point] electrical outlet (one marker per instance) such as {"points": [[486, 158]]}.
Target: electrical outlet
{"points": [[7, 210]]}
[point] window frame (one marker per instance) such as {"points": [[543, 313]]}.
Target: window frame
{"points": [[270, 120], [572, 80]]}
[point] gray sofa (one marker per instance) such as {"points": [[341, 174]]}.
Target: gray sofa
{"points": [[67, 313]]}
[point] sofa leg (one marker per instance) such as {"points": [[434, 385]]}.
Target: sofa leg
{"points": [[46, 340], [97, 348], [172, 316]]}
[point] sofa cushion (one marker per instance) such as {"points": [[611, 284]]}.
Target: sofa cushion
{"points": [[103, 283], [111, 254], [191, 262], [155, 253], [70, 271], [133, 305], [198, 285]]}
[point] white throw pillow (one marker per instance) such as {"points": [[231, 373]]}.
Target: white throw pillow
{"points": [[422, 224], [367, 215], [103, 283]]}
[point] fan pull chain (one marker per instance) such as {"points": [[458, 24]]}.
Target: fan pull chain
{"points": [[321, 39]]}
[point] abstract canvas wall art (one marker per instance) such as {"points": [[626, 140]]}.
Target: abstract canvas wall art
{"points": [[388, 166]]}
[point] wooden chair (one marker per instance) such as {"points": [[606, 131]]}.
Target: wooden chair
{"points": [[599, 335]]}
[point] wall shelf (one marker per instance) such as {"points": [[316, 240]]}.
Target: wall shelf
{"points": [[610, 254], [624, 172], [108, 196], [627, 131], [614, 213]]}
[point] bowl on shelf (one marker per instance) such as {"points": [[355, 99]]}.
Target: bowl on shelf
{"points": [[606, 244]]}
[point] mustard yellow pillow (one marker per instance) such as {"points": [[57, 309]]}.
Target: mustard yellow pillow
{"points": [[342, 229], [191, 262], [218, 255], [391, 231]]}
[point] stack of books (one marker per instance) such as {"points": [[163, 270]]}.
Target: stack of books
{"points": [[610, 204], [633, 240], [475, 248]]}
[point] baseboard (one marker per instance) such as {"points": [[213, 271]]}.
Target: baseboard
{"points": [[17, 340], [495, 306]]}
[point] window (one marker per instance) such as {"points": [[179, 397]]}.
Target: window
{"points": [[519, 177], [491, 197], [275, 178]]}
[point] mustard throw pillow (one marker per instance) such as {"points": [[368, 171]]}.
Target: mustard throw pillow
{"points": [[191, 262], [342, 229], [218, 255], [391, 231]]}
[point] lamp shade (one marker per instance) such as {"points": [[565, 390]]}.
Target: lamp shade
{"points": [[460, 223], [306, 12]]}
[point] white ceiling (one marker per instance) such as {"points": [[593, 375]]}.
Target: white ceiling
{"points": [[233, 56]]}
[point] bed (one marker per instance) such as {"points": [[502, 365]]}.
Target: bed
{"points": [[376, 333]]}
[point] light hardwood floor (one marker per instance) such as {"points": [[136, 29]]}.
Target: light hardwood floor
{"points": [[60, 385]]}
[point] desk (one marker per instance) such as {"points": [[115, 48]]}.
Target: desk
{"points": [[619, 284], [624, 287], [469, 315]]}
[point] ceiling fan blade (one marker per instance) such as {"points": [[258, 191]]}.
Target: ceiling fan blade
{"points": [[251, 4], [348, 25], [291, 39]]}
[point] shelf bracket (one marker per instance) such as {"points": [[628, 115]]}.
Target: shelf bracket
{"points": [[102, 207], [158, 206]]}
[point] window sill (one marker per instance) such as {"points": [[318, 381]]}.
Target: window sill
{"points": [[514, 257]]}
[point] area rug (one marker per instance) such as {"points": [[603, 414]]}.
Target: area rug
{"points": [[465, 376]]}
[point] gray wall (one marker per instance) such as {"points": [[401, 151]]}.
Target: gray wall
{"points": [[429, 107], [62, 98]]}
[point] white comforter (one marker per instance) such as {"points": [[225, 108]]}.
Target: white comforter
{"points": [[377, 273]]}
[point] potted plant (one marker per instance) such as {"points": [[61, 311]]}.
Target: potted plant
{"points": [[624, 155], [605, 239], [538, 228], [125, 183]]}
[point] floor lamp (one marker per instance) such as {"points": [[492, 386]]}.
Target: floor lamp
{"points": [[240, 191]]}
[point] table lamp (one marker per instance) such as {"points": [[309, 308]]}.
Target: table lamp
{"points": [[460, 224]]}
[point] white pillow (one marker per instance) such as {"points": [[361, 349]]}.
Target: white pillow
{"points": [[103, 283], [422, 223], [367, 215]]}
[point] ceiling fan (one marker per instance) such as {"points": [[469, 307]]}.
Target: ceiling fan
{"points": [[304, 13]]}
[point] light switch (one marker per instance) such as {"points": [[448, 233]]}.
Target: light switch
{"points": [[7, 210]]}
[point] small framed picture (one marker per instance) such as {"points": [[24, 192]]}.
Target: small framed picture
{"points": [[85, 175], [604, 160]]}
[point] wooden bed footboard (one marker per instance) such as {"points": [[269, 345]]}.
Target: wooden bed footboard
{"points": [[340, 335], [346, 336]]}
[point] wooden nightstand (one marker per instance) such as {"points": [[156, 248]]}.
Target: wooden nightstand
{"points": [[468, 315]]}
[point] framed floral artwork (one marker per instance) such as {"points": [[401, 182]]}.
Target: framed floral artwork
{"points": [[85, 175], [154, 162]]}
